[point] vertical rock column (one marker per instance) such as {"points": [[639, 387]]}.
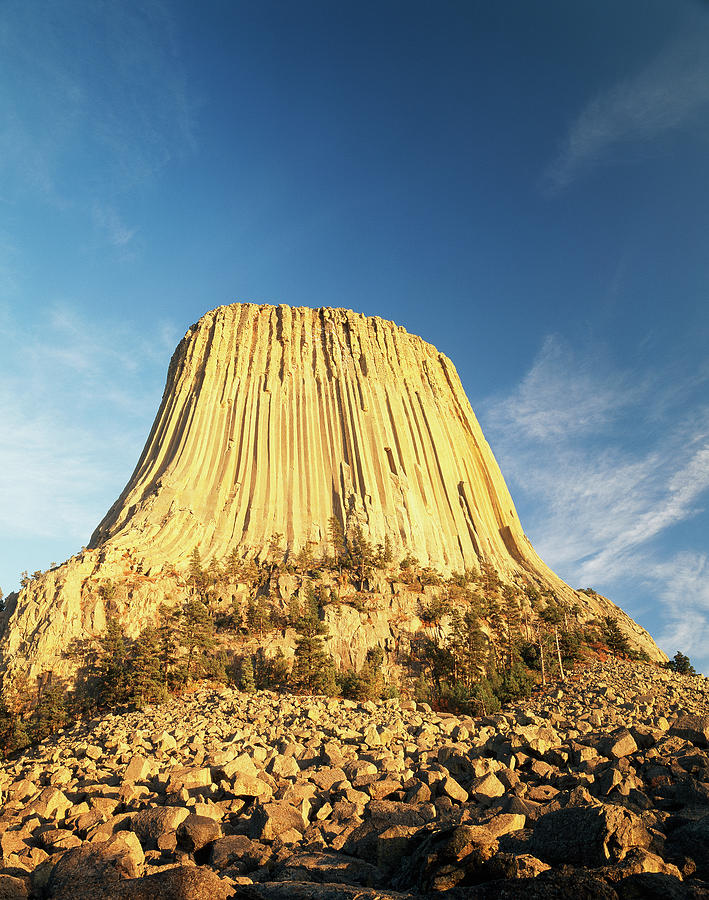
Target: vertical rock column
{"points": [[276, 418]]}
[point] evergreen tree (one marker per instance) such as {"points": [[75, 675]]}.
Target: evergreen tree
{"points": [[511, 615], [147, 682], [294, 610], [360, 556], [246, 676], [337, 538], [384, 555], [439, 665], [196, 572], [51, 712], [614, 637], [681, 664], [368, 683], [112, 665], [214, 573], [107, 591], [196, 631], [483, 699], [553, 615], [305, 560], [491, 587], [14, 733], [313, 669], [514, 683], [273, 672], [276, 552], [258, 615], [468, 644], [167, 639], [432, 612]]}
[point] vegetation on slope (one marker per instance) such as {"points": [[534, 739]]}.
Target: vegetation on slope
{"points": [[481, 642]]}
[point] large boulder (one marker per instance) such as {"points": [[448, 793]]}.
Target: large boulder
{"points": [[587, 835], [181, 883], [121, 856], [151, 823], [692, 728]]}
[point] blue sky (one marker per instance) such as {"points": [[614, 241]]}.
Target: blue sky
{"points": [[524, 185]]}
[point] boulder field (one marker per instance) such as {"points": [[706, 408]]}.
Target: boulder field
{"points": [[599, 787]]}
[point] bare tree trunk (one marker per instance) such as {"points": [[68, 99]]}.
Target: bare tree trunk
{"points": [[541, 656], [558, 653]]}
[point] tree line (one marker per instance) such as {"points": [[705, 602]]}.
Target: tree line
{"points": [[500, 640]]}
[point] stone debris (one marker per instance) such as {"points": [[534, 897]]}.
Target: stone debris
{"points": [[597, 788]]}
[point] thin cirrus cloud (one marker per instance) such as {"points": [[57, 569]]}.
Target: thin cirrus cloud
{"points": [[119, 235], [95, 103], [61, 454], [665, 95], [600, 503], [685, 593]]}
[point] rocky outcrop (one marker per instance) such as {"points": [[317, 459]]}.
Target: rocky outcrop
{"points": [[595, 789], [273, 421]]}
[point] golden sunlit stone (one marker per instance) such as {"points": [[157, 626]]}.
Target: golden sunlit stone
{"points": [[275, 419]]}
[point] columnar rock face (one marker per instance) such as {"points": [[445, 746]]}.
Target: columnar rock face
{"points": [[275, 419]]}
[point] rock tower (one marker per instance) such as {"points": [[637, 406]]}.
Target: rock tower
{"points": [[273, 421]]}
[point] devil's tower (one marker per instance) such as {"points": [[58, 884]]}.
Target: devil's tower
{"points": [[273, 421]]}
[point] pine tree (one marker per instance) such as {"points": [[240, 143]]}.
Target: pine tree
{"points": [[681, 664], [368, 683], [214, 573], [553, 615], [337, 539], [167, 640], [491, 587], [468, 644], [196, 572], [305, 560], [246, 676], [258, 615], [384, 555], [359, 554], [51, 712], [13, 729], [196, 631], [147, 682], [276, 552], [511, 615], [614, 637], [313, 669], [112, 665], [271, 672], [233, 565], [15, 701], [294, 610]]}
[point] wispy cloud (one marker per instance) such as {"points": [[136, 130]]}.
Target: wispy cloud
{"points": [[607, 468], [663, 96], [684, 588], [77, 398], [118, 233], [94, 104]]}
